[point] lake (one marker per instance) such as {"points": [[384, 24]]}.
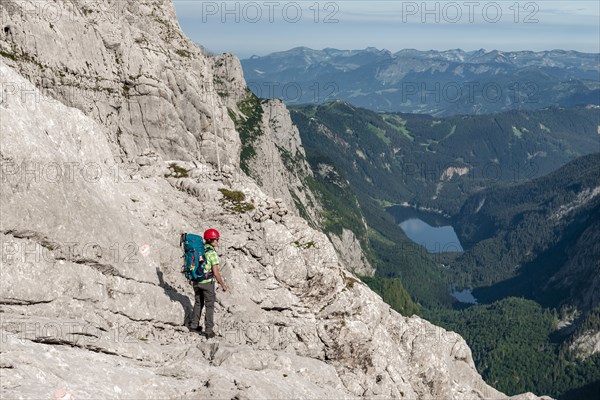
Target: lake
{"points": [[436, 235], [464, 296], [436, 239]]}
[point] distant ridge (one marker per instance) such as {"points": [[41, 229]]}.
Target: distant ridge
{"points": [[440, 83]]}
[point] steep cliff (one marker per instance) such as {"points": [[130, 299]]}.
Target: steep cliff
{"points": [[272, 153], [95, 192], [127, 65]]}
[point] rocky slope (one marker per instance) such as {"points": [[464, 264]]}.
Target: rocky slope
{"points": [[129, 66], [95, 192], [273, 154]]}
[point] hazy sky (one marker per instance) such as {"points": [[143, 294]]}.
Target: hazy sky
{"points": [[261, 27]]}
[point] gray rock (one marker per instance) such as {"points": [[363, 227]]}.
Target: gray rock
{"points": [[129, 67], [586, 345], [279, 164], [351, 254]]}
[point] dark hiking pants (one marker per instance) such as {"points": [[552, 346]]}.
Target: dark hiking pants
{"points": [[204, 295]]}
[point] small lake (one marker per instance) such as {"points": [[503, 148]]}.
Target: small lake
{"points": [[436, 239], [428, 229], [464, 296]]}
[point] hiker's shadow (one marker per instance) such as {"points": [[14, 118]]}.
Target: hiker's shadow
{"points": [[176, 296]]}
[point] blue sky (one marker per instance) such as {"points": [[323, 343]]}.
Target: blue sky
{"points": [[261, 27]]}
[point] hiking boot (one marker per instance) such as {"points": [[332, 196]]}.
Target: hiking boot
{"points": [[210, 335], [195, 330]]}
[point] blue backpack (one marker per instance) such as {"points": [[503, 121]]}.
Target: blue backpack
{"points": [[193, 257]]}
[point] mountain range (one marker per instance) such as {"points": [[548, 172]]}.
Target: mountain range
{"points": [[432, 82]]}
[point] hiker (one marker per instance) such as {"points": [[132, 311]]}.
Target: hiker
{"points": [[204, 290]]}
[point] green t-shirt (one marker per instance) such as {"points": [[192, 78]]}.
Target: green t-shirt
{"points": [[211, 259]]}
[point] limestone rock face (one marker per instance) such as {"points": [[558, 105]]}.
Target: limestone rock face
{"points": [[279, 165], [127, 65], [114, 142], [229, 80], [279, 162], [586, 345], [351, 253]]}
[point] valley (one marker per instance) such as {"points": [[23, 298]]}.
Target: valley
{"points": [[517, 188]]}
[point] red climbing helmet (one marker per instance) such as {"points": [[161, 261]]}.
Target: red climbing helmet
{"points": [[211, 234]]}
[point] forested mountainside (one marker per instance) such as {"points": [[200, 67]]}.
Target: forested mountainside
{"points": [[542, 233], [530, 210], [438, 162]]}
